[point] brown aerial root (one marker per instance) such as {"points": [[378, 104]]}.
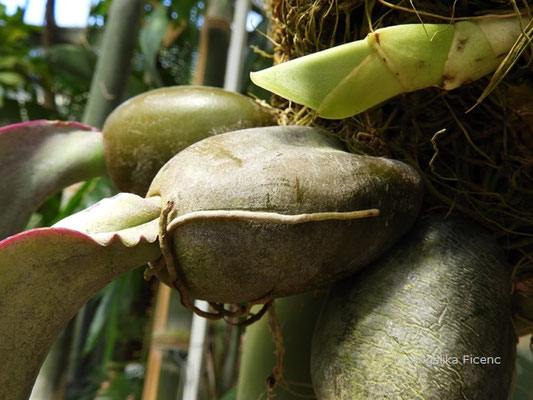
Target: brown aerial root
{"points": [[267, 216], [175, 275], [229, 312], [276, 377], [235, 311], [222, 311]]}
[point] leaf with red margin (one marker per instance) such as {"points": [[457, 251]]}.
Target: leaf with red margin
{"points": [[39, 158], [47, 274]]}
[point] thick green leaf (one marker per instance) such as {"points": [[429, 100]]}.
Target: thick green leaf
{"points": [[47, 274], [120, 212], [346, 80], [39, 158]]}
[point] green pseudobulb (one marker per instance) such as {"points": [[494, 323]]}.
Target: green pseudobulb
{"points": [[142, 134], [416, 324], [283, 170]]}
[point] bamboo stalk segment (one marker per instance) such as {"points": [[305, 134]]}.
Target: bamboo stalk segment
{"points": [[156, 355]]}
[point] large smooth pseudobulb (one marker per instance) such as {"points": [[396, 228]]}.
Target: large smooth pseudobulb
{"points": [[283, 170]]}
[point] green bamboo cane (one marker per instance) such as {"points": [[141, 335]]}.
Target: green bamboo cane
{"points": [[113, 66], [297, 316]]}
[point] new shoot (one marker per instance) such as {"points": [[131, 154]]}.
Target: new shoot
{"points": [[349, 79]]}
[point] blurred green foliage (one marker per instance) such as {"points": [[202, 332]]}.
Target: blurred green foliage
{"points": [[53, 81]]}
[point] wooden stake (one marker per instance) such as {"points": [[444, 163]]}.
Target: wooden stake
{"points": [[155, 357]]}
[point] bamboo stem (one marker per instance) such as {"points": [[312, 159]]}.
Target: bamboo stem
{"points": [[155, 357], [113, 65], [232, 79], [196, 352]]}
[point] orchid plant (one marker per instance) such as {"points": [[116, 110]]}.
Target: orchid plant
{"points": [[237, 218], [260, 213]]}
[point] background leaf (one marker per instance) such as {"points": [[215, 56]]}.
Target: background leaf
{"points": [[150, 38], [40, 158]]}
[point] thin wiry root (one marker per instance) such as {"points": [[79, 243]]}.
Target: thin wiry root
{"points": [[276, 377], [451, 18], [221, 311], [175, 275], [243, 311]]}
